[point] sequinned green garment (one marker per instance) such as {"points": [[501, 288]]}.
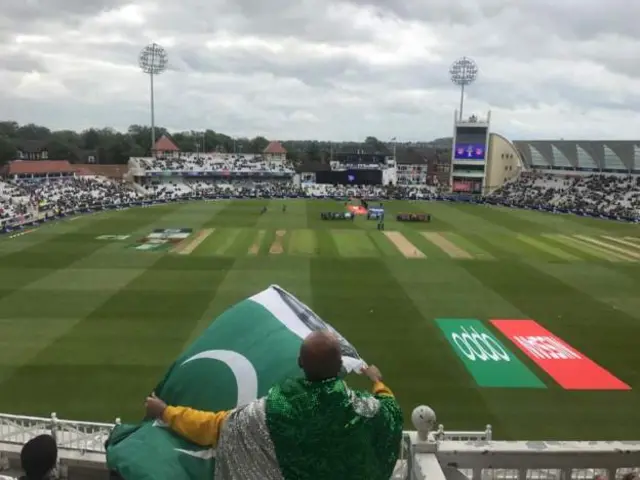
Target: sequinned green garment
{"points": [[327, 431]]}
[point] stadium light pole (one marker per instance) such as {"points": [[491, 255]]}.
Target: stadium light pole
{"points": [[153, 61], [395, 143], [199, 143], [463, 72]]}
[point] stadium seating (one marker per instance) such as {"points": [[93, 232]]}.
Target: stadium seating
{"points": [[616, 196], [14, 203], [209, 162]]}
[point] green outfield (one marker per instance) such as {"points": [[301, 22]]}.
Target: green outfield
{"points": [[93, 309]]}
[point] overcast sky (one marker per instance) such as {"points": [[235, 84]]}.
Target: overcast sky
{"points": [[301, 69]]}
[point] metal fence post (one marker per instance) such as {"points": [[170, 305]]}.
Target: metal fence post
{"points": [[54, 426]]}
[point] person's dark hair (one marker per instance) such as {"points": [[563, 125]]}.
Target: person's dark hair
{"points": [[38, 457]]}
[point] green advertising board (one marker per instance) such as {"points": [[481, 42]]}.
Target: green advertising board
{"points": [[488, 361]]}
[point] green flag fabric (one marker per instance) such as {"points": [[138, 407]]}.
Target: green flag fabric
{"points": [[238, 358]]}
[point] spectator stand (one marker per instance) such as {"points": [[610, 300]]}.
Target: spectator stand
{"points": [[609, 196], [50, 189]]}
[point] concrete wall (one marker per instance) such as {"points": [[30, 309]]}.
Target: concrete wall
{"points": [[504, 162]]}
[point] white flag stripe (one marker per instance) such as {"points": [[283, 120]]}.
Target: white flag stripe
{"points": [[272, 301]]}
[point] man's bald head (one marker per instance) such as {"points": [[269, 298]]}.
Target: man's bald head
{"points": [[320, 356]]}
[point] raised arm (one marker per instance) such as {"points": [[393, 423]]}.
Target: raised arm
{"points": [[202, 428]]}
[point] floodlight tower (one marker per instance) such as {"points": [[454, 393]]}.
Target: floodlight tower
{"points": [[463, 72], [153, 61]]}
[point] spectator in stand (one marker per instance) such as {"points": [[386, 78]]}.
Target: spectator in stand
{"points": [[614, 196], [309, 428], [38, 458]]}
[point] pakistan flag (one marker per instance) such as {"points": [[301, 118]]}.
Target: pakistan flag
{"points": [[242, 354]]}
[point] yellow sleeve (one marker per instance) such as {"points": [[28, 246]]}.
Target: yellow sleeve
{"points": [[196, 426], [380, 388]]}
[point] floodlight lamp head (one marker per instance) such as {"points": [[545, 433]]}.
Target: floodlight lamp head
{"points": [[153, 59], [463, 71]]}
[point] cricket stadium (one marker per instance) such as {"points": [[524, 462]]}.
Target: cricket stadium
{"points": [[500, 295]]}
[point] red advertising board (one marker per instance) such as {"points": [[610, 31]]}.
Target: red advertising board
{"points": [[567, 366], [462, 186]]}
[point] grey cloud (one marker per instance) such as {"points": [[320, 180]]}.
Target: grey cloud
{"points": [[572, 19], [15, 62], [27, 11], [274, 19], [527, 50], [313, 72]]}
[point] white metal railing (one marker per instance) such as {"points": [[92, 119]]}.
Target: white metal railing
{"points": [[427, 452], [70, 435]]}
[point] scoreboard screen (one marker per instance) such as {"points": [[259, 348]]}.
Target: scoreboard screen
{"points": [[469, 151], [470, 143]]}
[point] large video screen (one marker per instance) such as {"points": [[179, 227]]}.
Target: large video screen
{"points": [[350, 177], [470, 143]]}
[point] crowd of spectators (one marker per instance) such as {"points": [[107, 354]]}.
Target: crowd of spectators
{"points": [[14, 202], [208, 162], [177, 188], [597, 195], [25, 200]]}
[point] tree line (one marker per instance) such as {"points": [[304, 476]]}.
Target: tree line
{"points": [[109, 146]]}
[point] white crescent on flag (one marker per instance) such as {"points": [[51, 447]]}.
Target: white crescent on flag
{"points": [[242, 369]]}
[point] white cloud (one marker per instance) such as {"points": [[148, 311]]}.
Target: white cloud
{"points": [[325, 68]]}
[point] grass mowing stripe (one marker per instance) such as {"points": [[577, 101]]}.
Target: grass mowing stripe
{"points": [[326, 244], [254, 249], [624, 251], [188, 247], [365, 302], [303, 242], [22, 339], [225, 240], [600, 246], [496, 216], [242, 243], [144, 331], [354, 243], [621, 241], [267, 240], [586, 248], [385, 248], [469, 246], [43, 258], [428, 248], [591, 326], [606, 282], [238, 213], [444, 244], [550, 249]]}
